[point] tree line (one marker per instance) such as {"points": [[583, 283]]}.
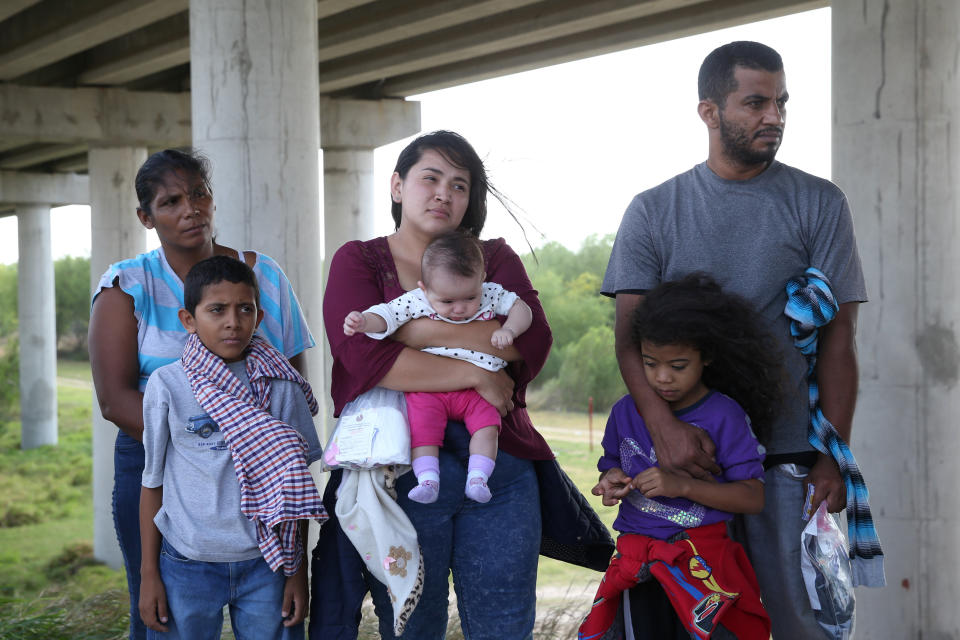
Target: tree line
{"points": [[582, 363]]}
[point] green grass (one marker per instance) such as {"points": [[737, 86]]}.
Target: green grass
{"points": [[50, 585], [51, 588]]}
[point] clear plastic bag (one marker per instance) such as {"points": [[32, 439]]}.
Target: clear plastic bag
{"points": [[372, 431], [826, 573]]}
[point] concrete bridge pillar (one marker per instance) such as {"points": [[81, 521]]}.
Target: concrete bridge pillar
{"points": [[116, 234], [350, 131], [38, 332], [896, 149], [254, 88]]}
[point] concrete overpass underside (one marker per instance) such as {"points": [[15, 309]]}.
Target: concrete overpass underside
{"points": [[89, 87]]}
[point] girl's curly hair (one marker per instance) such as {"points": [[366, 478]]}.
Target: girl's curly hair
{"points": [[745, 361]]}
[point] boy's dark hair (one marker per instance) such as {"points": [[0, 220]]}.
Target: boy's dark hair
{"points": [[456, 251], [214, 270], [716, 79], [745, 361], [154, 172]]}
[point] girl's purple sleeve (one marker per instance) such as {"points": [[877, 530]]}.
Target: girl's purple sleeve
{"points": [[610, 445], [506, 269], [359, 362]]}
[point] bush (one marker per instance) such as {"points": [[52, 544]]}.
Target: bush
{"points": [[589, 369], [9, 378], [72, 278]]}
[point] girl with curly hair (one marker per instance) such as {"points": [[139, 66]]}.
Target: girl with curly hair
{"points": [[705, 352]]}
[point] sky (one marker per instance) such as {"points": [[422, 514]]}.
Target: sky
{"points": [[570, 145]]}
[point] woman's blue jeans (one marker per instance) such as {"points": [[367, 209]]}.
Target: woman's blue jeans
{"points": [[127, 475], [491, 549]]}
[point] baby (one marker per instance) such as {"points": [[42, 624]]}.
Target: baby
{"points": [[452, 290]]}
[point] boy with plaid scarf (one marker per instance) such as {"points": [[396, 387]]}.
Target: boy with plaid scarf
{"points": [[228, 435]]}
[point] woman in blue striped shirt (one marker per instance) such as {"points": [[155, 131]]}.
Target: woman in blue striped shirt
{"points": [[134, 328]]}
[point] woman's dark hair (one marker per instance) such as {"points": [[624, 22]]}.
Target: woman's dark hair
{"points": [[716, 78], [457, 252], [212, 271], [155, 171], [460, 154], [729, 334]]}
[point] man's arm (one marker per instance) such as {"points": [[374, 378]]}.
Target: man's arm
{"points": [[838, 375], [680, 447]]}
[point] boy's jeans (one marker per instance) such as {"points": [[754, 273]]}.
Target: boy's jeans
{"points": [[197, 592]]}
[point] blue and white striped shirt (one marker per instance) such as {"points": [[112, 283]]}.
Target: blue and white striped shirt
{"points": [[157, 293]]}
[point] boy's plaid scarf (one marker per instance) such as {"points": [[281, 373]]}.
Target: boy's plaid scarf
{"points": [[810, 305], [276, 488]]}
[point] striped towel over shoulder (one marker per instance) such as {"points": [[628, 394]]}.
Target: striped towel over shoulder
{"points": [[276, 488], [810, 306]]}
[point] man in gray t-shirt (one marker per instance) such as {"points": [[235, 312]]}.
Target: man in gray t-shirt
{"points": [[752, 223]]}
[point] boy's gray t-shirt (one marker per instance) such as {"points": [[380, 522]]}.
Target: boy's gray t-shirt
{"points": [[752, 236], [185, 453]]}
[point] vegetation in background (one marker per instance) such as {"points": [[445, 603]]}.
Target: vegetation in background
{"points": [[8, 299], [9, 377], [582, 363], [72, 282], [71, 298]]}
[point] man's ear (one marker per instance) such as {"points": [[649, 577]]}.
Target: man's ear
{"points": [[421, 285], [145, 218], [188, 322], [259, 316], [710, 113]]}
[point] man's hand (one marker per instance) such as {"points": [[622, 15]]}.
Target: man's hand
{"points": [[827, 485], [614, 484], [685, 450], [296, 598], [153, 602], [654, 481]]}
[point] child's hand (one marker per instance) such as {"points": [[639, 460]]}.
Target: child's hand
{"points": [[153, 603], [353, 323], [502, 338], [613, 486], [296, 598], [657, 482]]}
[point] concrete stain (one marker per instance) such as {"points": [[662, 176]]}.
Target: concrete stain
{"points": [[939, 354]]}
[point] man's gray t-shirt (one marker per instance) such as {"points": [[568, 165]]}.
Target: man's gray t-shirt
{"points": [[185, 453], [751, 236]]}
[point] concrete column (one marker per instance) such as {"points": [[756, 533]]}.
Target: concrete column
{"points": [[895, 154], [38, 331], [253, 72], [116, 233], [350, 131]]}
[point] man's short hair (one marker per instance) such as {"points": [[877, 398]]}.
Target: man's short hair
{"points": [[212, 271], [716, 80]]}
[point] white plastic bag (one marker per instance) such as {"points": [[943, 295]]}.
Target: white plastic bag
{"points": [[372, 431], [826, 573]]}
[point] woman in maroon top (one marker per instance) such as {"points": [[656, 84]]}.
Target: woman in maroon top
{"points": [[439, 185]]}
